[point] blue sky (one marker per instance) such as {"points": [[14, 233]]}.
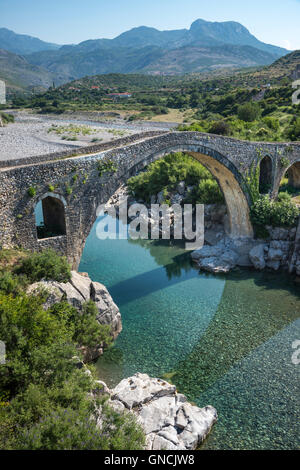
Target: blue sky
{"points": [[72, 21]]}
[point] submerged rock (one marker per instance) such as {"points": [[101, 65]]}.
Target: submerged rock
{"points": [[76, 292], [169, 421]]}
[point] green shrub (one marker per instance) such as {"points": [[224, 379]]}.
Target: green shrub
{"points": [[86, 329], [248, 112], [166, 173], [45, 400], [7, 118], [281, 213], [284, 214], [206, 192], [47, 265], [220, 128], [294, 131], [10, 284], [69, 429], [31, 191]]}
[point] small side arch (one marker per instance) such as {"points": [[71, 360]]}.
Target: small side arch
{"points": [[293, 174], [265, 175], [50, 216]]}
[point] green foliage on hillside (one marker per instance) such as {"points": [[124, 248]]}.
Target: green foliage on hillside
{"points": [[250, 105], [45, 401], [165, 174]]}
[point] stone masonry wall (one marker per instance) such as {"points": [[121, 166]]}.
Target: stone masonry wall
{"points": [[77, 181]]}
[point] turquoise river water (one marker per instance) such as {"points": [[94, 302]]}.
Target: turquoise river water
{"points": [[223, 341]]}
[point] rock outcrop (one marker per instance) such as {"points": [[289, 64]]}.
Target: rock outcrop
{"points": [[169, 421], [76, 292], [257, 257], [274, 253], [224, 256]]}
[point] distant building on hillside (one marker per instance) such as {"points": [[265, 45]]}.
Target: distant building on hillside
{"points": [[2, 92], [117, 96]]}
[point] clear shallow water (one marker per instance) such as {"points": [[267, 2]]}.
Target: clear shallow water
{"points": [[224, 341]]}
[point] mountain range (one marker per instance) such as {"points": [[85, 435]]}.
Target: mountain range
{"points": [[205, 47]]}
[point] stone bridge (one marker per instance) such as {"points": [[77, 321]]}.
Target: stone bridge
{"points": [[71, 188]]}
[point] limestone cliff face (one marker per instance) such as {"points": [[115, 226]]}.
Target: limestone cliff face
{"points": [[79, 290]]}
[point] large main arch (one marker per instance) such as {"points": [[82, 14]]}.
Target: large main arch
{"points": [[229, 179]]}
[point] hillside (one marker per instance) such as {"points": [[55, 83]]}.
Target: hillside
{"points": [[287, 67], [204, 59], [19, 74]]}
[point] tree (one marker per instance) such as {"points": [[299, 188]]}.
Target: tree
{"points": [[220, 128], [248, 112]]}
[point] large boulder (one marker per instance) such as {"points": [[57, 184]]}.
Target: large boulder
{"points": [[76, 292], [220, 258], [257, 257], [168, 420]]}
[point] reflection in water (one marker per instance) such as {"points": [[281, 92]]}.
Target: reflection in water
{"points": [[224, 343], [158, 249]]}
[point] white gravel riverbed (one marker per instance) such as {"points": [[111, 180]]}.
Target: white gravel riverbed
{"points": [[29, 135]]}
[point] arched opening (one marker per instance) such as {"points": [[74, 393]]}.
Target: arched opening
{"points": [[265, 175], [293, 175], [290, 182], [231, 183], [239, 224], [50, 217]]}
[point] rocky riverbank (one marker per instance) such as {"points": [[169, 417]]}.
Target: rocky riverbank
{"points": [[215, 215], [277, 252], [79, 290], [169, 421]]}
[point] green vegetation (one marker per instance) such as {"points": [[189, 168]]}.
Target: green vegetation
{"points": [[253, 104], [6, 118], [47, 265], [45, 400], [165, 174], [106, 166], [280, 213], [31, 191]]}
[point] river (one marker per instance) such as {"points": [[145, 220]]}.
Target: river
{"points": [[223, 341]]}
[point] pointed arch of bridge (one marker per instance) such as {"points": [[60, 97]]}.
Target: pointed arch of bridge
{"points": [[231, 182]]}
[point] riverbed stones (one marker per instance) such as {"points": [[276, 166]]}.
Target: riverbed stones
{"points": [[76, 292], [168, 420]]}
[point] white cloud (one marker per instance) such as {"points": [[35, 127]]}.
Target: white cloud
{"points": [[287, 44]]}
